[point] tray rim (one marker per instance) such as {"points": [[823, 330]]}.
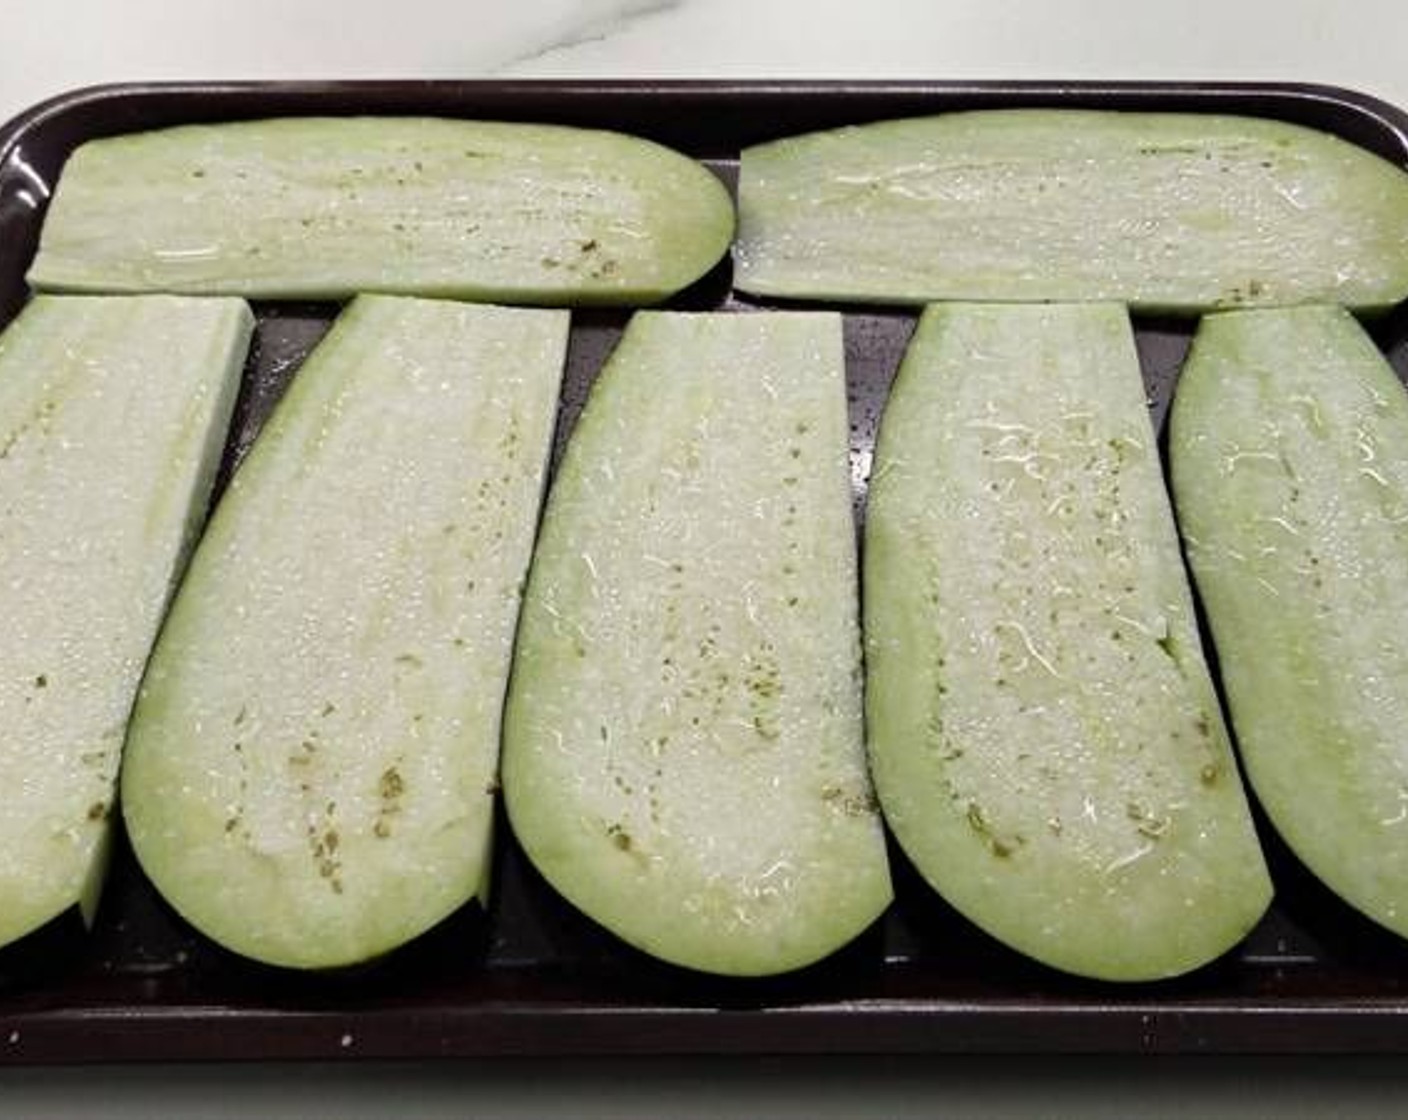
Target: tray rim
{"points": [[1041, 89]]}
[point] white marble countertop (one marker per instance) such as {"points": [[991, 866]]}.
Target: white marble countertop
{"points": [[68, 43]]}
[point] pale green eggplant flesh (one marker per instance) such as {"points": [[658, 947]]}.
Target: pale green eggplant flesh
{"points": [[310, 777], [683, 753], [113, 414], [1045, 739], [1163, 211], [1289, 446], [324, 208]]}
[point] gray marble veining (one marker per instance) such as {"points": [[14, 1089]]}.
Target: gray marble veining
{"points": [[594, 21]]}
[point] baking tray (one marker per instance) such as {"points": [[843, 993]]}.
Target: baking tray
{"points": [[530, 975]]}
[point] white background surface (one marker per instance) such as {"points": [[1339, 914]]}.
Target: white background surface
{"points": [[55, 45], [50, 47]]}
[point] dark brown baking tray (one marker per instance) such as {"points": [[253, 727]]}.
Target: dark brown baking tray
{"points": [[531, 976]]}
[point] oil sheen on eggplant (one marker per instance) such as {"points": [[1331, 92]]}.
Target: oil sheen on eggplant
{"points": [[683, 754], [1289, 445], [1044, 735]]}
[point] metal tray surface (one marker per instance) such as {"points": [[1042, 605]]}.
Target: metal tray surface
{"points": [[532, 976]]}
